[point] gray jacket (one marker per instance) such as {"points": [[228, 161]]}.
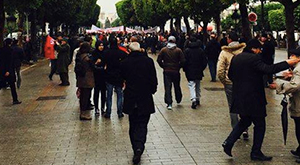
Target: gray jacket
{"points": [[292, 88]]}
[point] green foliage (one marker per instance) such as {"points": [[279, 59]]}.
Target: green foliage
{"points": [[116, 23], [99, 24], [267, 7], [126, 13], [297, 18], [277, 19]]}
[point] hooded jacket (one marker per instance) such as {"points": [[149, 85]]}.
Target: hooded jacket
{"points": [[226, 55], [196, 62], [171, 59]]}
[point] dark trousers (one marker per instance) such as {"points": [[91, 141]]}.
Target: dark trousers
{"points": [[268, 79], [212, 69], [53, 67], [64, 77], [169, 79], [84, 98], [259, 131], [13, 90], [138, 128], [297, 127], [97, 91]]}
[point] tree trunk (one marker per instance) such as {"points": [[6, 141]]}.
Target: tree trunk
{"points": [[178, 25], [33, 31], [20, 29], [2, 20], [187, 24], [171, 24], [289, 21], [262, 16], [217, 20], [246, 31], [162, 28], [205, 34]]}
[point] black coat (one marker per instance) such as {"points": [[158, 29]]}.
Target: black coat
{"points": [[139, 74], [7, 64], [268, 51], [212, 50], [246, 72], [18, 55], [195, 63], [99, 72], [112, 60]]}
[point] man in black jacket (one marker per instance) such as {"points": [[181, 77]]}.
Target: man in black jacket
{"points": [[212, 50], [7, 69], [194, 65], [248, 100], [112, 59], [140, 78]]}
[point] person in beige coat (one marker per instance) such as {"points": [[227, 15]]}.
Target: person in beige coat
{"points": [[292, 88], [228, 52]]}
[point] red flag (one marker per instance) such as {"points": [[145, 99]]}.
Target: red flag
{"points": [[49, 48]]}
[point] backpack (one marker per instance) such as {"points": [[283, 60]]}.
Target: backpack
{"points": [[79, 69]]}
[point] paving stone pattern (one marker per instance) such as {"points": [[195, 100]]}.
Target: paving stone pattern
{"points": [[48, 132]]}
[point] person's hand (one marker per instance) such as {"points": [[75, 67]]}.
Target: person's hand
{"points": [[6, 74], [287, 75], [98, 61], [273, 86], [292, 62]]}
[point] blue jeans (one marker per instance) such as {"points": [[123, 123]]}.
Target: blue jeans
{"points": [[212, 69], [119, 91]]}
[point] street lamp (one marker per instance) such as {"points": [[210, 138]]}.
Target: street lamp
{"points": [[235, 16], [11, 24]]}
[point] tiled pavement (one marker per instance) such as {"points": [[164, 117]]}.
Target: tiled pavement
{"points": [[49, 132]]}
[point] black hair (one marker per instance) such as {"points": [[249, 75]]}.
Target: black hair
{"points": [[85, 48], [233, 36]]}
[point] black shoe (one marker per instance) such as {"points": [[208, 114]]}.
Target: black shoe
{"points": [[295, 153], [107, 116], [194, 105], [227, 148], [50, 78], [120, 115], [137, 156], [298, 161], [90, 108], [97, 112], [245, 135], [198, 102], [261, 157], [17, 102], [213, 80], [64, 84]]}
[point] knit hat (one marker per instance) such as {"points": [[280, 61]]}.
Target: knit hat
{"points": [[134, 46], [172, 39]]}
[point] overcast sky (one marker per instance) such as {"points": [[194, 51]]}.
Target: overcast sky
{"points": [[108, 6]]}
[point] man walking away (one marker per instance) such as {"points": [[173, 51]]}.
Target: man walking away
{"points": [[171, 59], [63, 61], [212, 50], [194, 66], [228, 52], [140, 78]]}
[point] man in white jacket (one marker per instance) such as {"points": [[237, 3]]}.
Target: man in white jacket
{"points": [[228, 52]]}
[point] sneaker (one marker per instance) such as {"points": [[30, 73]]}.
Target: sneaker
{"points": [[17, 102], [120, 115], [194, 105], [84, 116], [97, 112], [198, 102], [169, 106]]}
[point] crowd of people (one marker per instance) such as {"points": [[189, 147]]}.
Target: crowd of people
{"points": [[120, 63]]}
